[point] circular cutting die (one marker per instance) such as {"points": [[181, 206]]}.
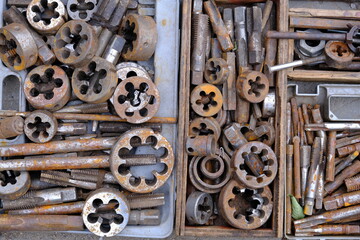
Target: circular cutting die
{"points": [[46, 16], [205, 126], [47, 87], [14, 184], [268, 158], [213, 166], [17, 47], [141, 36], [75, 43], [106, 212], [40, 126], [206, 100], [131, 69], [216, 71], [338, 54], [252, 86], [199, 207], [95, 82], [81, 9], [245, 208], [120, 154], [136, 99]]}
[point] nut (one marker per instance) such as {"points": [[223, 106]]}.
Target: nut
{"points": [[47, 87], [75, 43], [106, 212], [141, 36], [81, 9], [46, 16], [131, 69], [206, 100], [267, 156], [245, 208], [338, 54], [40, 126], [17, 47], [311, 48], [205, 126], [14, 184], [136, 99], [199, 207], [234, 134], [252, 86], [95, 82], [216, 71], [129, 142]]}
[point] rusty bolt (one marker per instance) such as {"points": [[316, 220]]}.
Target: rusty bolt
{"points": [[252, 86], [11, 127], [47, 87], [216, 71], [245, 208], [141, 36], [17, 47], [136, 99], [95, 82], [46, 16], [121, 152], [40, 126], [206, 100], [75, 43]]}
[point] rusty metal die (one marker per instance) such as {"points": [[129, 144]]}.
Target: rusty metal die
{"points": [[234, 134], [46, 16], [130, 69], [252, 86], [199, 208], [216, 71], [201, 145], [338, 54], [11, 127], [353, 183], [267, 156], [106, 222], [245, 208], [95, 82], [81, 9], [205, 126], [40, 223], [141, 37], [40, 126], [17, 47], [348, 172], [206, 100], [136, 99], [47, 87], [14, 184], [75, 43], [344, 200], [204, 183], [131, 140], [218, 25]]}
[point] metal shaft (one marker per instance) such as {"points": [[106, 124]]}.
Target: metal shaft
{"points": [[297, 171], [346, 162], [343, 151], [328, 230], [331, 126], [117, 127], [353, 183], [305, 153], [289, 185], [306, 36], [330, 167], [71, 129], [344, 200], [11, 127], [57, 147]]}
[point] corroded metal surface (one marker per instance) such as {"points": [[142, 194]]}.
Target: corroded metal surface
{"points": [[338, 54], [14, 184], [216, 71], [11, 127], [47, 87], [252, 86], [40, 126], [199, 207], [201, 145], [130, 69], [205, 126], [81, 10], [121, 150], [206, 100]]}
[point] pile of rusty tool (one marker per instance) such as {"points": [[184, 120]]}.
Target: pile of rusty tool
{"points": [[231, 132], [322, 173], [94, 153]]}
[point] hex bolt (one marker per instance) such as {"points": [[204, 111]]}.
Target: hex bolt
{"points": [[41, 223], [348, 172], [11, 127], [57, 147], [42, 197]]}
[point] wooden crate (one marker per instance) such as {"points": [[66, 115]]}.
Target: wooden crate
{"points": [[276, 229]]}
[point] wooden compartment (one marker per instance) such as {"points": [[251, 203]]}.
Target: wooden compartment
{"points": [[275, 228]]}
